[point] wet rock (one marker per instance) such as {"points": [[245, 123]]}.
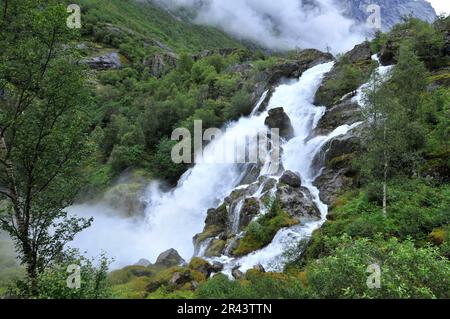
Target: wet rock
{"points": [[359, 53], [345, 112], [169, 258], [104, 62], [161, 64], [217, 267], [260, 268], [237, 274], [292, 179], [217, 216], [359, 57], [297, 202], [278, 119], [302, 61], [216, 248], [250, 209]]}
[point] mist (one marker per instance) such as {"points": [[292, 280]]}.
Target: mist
{"points": [[279, 25]]}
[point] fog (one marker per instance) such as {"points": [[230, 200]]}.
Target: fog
{"points": [[282, 24]]}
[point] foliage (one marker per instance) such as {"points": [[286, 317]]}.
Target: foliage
{"points": [[261, 231], [44, 123], [406, 271]]}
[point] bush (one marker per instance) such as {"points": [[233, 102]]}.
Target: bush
{"points": [[406, 271]]}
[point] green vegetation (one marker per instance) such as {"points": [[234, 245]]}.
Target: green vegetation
{"points": [[45, 107], [261, 231]]}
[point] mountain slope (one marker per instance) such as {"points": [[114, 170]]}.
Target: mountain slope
{"points": [[151, 24], [392, 11]]}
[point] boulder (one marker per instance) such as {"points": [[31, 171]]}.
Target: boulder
{"points": [[359, 57], [237, 274], [217, 267], [143, 262], [301, 62], [201, 266], [259, 268], [180, 278], [104, 62], [297, 202], [359, 53], [169, 258], [292, 179], [250, 209], [216, 248], [345, 112], [278, 119]]}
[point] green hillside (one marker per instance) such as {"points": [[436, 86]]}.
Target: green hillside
{"points": [[146, 22]]}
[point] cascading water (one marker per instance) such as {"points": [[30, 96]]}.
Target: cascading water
{"points": [[173, 218]]}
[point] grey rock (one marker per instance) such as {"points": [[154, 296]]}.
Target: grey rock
{"points": [[345, 112], [217, 266], [107, 61], [143, 262], [392, 11], [278, 119], [237, 274], [259, 268], [250, 209], [180, 278], [292, 179], [297, 202], [169, 258]]}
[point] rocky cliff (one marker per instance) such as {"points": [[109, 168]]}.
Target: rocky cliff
{"points": [[392, 11]]}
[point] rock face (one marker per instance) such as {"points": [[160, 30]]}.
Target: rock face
{"points": [[162, 63], [169, 258], [104, 62], [345, 112], [336, 156], [302, 61], [297, 202], [291, 179], [359, 57], [278, 119], [392, 11]]}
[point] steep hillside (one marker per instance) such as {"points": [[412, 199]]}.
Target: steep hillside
{"points": [[145, 22]]}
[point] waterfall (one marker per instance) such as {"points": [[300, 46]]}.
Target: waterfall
{"points": [[173, 218]]}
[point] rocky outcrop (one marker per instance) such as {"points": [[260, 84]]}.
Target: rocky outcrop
{"points": [[299, 63], [169, 258], [278, 119], [329, 93], [249, 210], [202, 266], [161, 63], [143, 262], [336, 158], [345, 112], [105, 62], [297, 202], [291, 179]]}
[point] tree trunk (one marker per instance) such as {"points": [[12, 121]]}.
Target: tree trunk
{"points": [[385, 174]]}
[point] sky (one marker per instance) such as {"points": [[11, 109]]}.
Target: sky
{"points": [[441, 6]]}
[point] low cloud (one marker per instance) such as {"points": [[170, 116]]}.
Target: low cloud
{"points": [[281, 24]]}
